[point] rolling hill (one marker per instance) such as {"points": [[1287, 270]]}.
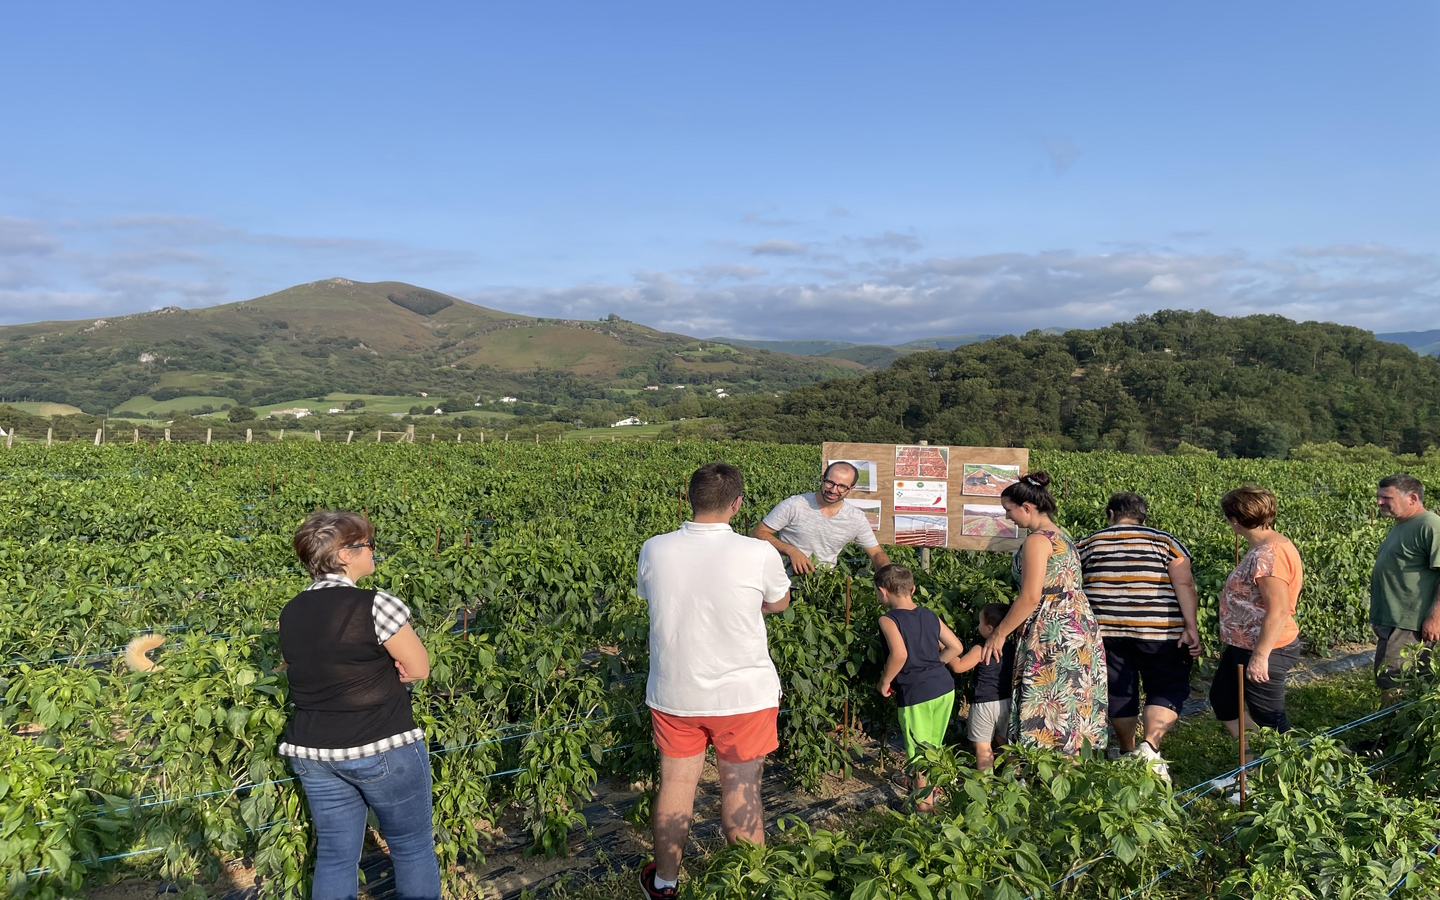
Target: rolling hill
{"points": [[872, 356], [1252, 386], [383, 338], [1425, 343]]}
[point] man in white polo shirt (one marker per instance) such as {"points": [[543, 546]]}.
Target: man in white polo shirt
{"points": [[711, 677], [820, 524]]}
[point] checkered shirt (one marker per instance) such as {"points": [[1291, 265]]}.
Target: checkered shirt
{"points": [[390, 614]]}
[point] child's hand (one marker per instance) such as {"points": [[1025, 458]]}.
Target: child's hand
{"points": [[884, 688]]}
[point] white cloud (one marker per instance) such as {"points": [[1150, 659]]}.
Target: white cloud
{"points": [[1010, 292], [780, 248]]}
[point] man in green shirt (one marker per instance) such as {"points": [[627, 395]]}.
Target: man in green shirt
{"points": [[1406, 578]]}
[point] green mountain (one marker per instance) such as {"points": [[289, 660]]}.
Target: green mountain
{"points": [[381, 338], [871, 356], [1253, 386], [1425, 343], [794, 348]]}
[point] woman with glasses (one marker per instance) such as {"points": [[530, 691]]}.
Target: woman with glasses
{"points": [[352, 740]]}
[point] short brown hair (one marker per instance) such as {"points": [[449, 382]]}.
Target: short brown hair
{"points": [[1405, 484], [324, 534], [895, 579], [714, 486], [1249, 507]]}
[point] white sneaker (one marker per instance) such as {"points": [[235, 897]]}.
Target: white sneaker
{"points": [[1151, 755]]}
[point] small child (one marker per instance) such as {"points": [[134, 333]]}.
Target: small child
{"points": [[920, 647], [990, 707]]}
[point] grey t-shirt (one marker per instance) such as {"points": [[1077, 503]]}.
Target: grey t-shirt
{"points": [[799, 522]]}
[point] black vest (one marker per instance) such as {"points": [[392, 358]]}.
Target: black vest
{"points": [[346, 690], [923, 677]]}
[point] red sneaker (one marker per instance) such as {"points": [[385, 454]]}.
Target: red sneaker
{"points": [[647, 885]]}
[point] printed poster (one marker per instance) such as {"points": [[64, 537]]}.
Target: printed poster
{"points": [[985, 480], [922, 531], [866, 478], [922, 462], [871, 509], [920, 496], [984, 520]]}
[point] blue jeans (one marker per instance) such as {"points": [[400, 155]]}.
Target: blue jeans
{"points": [[396, 785]]}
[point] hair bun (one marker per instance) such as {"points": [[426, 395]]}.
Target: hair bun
{"points": [[1037, 479]]}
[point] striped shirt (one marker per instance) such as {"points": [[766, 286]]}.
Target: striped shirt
{"points": [[1127, 579]]}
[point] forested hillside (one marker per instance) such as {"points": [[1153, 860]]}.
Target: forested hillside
{"points": [[1253, 386]]}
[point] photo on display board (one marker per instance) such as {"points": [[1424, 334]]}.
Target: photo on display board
{"points": [[865, 477], [922, 462], [922, 531], [986, 480], [871, 508], [921, 496], [984, 520]]}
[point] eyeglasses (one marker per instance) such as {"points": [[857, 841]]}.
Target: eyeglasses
{"points": [[370, 543], [837, 486]]}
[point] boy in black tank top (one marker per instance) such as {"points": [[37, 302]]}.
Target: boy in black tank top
{"points": [[989, 725], [920, 647]]}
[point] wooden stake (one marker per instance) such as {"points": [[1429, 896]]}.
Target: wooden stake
{"points": [[1242, 736], [437, 541]]}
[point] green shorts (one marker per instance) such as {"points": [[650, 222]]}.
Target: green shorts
{"points": [[925, 723]]}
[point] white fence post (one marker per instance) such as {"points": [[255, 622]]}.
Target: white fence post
{"points": [[167, 435], [49, 434], [135, 437], [99, 436], [317, 435], [207, 436], [249, 436], [349, 436]]}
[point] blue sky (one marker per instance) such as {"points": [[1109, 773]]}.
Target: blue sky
{"points": [[870, 172]]}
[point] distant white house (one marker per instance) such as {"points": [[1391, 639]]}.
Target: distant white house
{"points": [[629, 420], [721, 394], [652, 387], [2, 433], [679, 387], [423, 394], [439, 411], [507, 399], [298, 412], [336, 409]]}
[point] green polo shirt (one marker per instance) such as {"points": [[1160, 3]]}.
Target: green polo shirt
{"points": [[1407, 573]]}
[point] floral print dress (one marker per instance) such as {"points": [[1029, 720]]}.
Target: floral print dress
{"points": [[1060, 695]]}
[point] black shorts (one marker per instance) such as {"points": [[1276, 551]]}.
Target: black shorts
{"points": [[1265, 702], [1161, 667]]}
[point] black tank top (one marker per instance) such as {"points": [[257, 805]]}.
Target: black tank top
{"points": [[923, 677], [346, 690]]}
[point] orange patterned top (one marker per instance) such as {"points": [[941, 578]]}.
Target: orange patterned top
{"points": [[1243, 608]]}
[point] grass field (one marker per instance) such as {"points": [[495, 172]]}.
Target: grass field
{"points": [[140, 406], [44, 409]]}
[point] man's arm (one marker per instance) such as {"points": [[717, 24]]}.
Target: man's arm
{"points": [[1430, 628], [799, 561], [768, 608], [1183, 581], [1430, 625], [879, 559]]}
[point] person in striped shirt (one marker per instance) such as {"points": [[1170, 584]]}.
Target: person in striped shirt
{"points": [[1142, 592]]}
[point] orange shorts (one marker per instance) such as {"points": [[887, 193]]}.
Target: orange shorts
{"points": [[741, 738]]}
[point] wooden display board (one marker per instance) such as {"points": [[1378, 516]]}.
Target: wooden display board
{"points": [[910, 484]]}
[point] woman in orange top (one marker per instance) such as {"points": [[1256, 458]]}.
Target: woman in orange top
{"points": [[1257, 616]]}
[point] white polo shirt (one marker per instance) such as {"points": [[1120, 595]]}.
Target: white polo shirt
{"points": [[708, 649]]}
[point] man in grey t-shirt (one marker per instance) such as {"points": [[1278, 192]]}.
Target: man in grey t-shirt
{"points": [[820, 524]]}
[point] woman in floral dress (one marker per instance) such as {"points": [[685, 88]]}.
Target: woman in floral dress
{"points": [[1060, 697]]}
